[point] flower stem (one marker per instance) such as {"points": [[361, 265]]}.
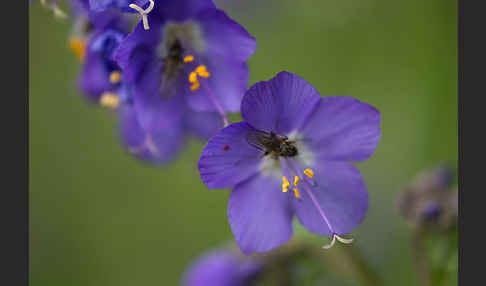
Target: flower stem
{"points": [[421, 260], [345, 260]]}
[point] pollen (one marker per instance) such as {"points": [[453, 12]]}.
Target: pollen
{"points": [[188, 58], [285, 184], [309, 173], [195, 86], [192, 77], [296, 180], [201, 71], [78, 46], [296, 193], [110, 100], [115, 77]]}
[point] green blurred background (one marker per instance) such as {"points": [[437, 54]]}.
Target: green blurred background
{"points": [[99, 217]]}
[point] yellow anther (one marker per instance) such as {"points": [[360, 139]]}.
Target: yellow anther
{"points": [[285, 184], [115, 77], [78, 46], [296, 193], [188, 58], [309, 173], [195, 86], [202, 71], [109, 99], [296, 180], [192, 77], [199, 71]]}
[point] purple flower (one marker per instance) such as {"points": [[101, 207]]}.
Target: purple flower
{"points": [[430, 201], [160, 139], [290, 157], [100, 74], [193, 54], [222, 268]]}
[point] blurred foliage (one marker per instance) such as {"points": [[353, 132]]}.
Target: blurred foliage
{"points": [[99, 217]]}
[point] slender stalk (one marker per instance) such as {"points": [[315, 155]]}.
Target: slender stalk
{"points": [[345, 260], [421, 260]]}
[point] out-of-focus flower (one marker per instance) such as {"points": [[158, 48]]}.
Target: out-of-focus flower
{"points": [[100, 73], [159, 140], [430, 201], [291, 156], [193, 54], [222, 268]]}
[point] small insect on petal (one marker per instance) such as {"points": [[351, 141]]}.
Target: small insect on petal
{"points": [[226, 147]]}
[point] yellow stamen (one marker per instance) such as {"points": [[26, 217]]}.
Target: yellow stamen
{"points": [[285, 184], [192, 77], [202, 71], [78, 46], [189, 59], [309, 173], [115, 77], [296, 180], [199, 71], [110, 100], [296, 193], [195, 86]]}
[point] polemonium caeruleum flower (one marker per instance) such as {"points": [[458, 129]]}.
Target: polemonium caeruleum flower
{"points": [[222, 268], [153, 137], [291, 156], [193, 54], [100, 75]]}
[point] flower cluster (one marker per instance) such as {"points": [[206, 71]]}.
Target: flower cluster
{"points": [[174, 68], [172, 73], [430, 201]]}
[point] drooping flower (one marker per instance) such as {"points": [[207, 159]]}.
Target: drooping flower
{"points": [[429, 202], [222, 268], [100, 74], [193, 54], [155, 137], [291, 156]]}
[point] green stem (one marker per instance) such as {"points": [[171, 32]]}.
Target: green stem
{"points": [[421, 260], [346, 260]]}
